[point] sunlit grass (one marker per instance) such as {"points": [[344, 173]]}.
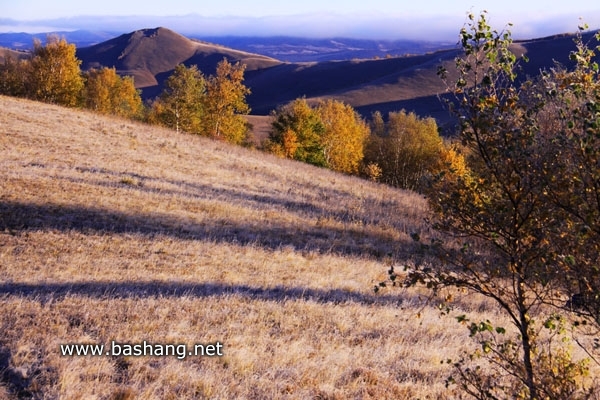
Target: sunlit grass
{"points": [[112, 230]]}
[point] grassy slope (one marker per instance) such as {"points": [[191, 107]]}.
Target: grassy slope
{"points": [[112, 230]]}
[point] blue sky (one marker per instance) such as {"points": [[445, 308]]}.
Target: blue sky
{"points": [[364, 18]]}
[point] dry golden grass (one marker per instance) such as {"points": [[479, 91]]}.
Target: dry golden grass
{"points": [[112, 230]]}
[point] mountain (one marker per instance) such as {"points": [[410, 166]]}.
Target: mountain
{"points": [[386, 84], [150, 55], [300, 49], [81, 38]]}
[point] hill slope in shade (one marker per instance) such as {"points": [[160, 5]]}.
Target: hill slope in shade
{"points": [[390, 84]]}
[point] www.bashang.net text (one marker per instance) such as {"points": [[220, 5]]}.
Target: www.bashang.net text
{"points": [[143, 349]]}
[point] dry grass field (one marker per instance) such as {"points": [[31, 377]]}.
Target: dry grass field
{"points": [[116, 231]]}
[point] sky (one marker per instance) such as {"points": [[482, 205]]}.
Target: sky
{"points": [[375, 19]]}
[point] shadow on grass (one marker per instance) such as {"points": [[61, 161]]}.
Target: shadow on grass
{"points": [[11, 378], [16, 217], [114, 290]]}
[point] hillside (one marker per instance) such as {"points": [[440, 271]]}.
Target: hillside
{"points": [[150, 55], [12, 54], [117, 231], [303, 49], [114, 231], [388, 84]]}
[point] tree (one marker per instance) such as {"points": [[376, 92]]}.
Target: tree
{"points": [[571, 172], [344, 136], [503, 227], [181, 105], [225, 103], [54, 75], [13, 77], [330, 135], [106, 92], [406, 148], [297, 133]]}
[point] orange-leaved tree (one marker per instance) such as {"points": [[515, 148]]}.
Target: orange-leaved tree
{"points": [[501, 228]]}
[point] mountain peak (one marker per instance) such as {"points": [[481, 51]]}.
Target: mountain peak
{"points": [[149, 55]]}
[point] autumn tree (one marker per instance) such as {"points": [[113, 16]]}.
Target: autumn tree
{"points": [[297, 132], [406, 148], [345, 134], [570, 121], [331, 134], [225, 103], [499, 228], [181, 105], [13, 77], [54, 74], [108, 93]]}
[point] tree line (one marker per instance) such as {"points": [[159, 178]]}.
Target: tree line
{"points": [[210, 106], [402, 151], [330, 134]]}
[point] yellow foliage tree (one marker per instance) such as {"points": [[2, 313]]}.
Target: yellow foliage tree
{"points": [[225, 103], [181, 104], [106, 92], [506, 223], [329, 135], [406, 148], [54, 74], [344, 137], [297, 132]]}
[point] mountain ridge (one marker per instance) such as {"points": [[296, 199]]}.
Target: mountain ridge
{"points": [[387, 84], [148, 54]]}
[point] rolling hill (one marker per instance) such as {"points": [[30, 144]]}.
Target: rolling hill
{"points": [[117, 232], [389, 84], [113, 230], [150, 55]]}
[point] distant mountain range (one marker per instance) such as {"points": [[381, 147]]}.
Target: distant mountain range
{"points": [[24, 41], [385, 84], [296, 49], [284, 48]]}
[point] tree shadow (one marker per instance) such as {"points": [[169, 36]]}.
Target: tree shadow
{"points": [[45, 292], [11, 378], [17, 217]]}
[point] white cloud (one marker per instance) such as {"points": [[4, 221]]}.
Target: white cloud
{"points": [[372, 26]]}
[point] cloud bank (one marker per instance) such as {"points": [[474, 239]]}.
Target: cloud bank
{"points": [[440, 27]]}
